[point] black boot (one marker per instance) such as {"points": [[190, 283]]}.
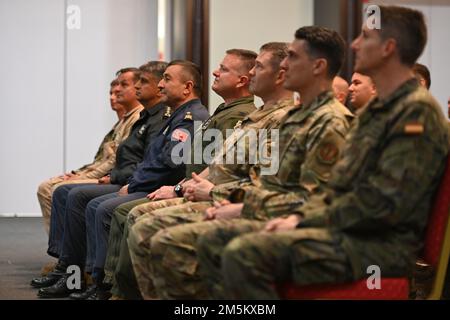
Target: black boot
{"points": [[59, 289], [103, 291], [51, 278], [85, 294]]}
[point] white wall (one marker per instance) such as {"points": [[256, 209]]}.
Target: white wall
{"points": [[249, 24], [45, 129], [114, 34], [31, 91], [436, 53]]}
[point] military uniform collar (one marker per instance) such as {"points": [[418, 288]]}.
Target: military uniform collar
{"points": [[153, 110], [318, 101], [260, 113], [245, 100], [186, 105], [137, 108], [406, 88]]}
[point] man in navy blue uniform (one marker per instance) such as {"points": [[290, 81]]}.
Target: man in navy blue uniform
{"points": [[180, 88]]}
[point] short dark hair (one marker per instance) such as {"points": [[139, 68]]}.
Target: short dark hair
{"points": [[135, 71], [421, 70], [155, 68], [324, 43], [279, 51], [407, 26], [247, 56], [114, 83], [193, 72]]}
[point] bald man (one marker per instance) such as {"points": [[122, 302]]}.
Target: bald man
{"points": [[340, 89]]}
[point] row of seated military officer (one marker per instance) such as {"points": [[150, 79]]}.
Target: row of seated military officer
{"points": [[344, 188]]}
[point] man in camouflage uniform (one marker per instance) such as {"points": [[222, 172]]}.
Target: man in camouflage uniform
{"points": [[310, 142], [231, 83], [379, 196]]}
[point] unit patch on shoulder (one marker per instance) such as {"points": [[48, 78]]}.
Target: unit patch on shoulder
{"points": [[328, 153]]}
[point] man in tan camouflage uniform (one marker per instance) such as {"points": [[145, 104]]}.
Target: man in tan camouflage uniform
{"points": [[379, 196], [311, 137], [232, 84], [104, 159]]}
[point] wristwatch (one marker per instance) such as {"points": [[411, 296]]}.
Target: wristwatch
{"points": [[178, 189]]}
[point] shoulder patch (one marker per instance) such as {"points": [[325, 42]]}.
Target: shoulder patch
{"points": [[328, 153], [414, 128], [180, 135]]}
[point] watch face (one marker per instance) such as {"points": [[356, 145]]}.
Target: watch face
{"points": [[178, 190]]}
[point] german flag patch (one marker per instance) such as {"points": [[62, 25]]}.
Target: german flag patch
{"points": [[414, 128]]}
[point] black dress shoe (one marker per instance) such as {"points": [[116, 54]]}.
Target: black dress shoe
{"points": [[59, 289], [85, 294], [47, 281], [51, 278]]}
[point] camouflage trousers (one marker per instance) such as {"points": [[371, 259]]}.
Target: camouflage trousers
{"points": [[300, 256], [140, 236], [239, 261], [118, 269], [45, 192]]}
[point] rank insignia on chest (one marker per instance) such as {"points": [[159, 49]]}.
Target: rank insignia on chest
{"points": [[206, 124], [168, 113], [142, 129], [188, 116]]}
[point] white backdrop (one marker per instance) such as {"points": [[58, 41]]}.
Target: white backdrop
{"points": [[436, 54], [248, 24], [44, 127]]}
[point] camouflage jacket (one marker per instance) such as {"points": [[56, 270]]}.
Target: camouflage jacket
{"points": [[311, 139], [107, 159], [225, 117], [381, 190], [227, 176], [106, 140]]}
